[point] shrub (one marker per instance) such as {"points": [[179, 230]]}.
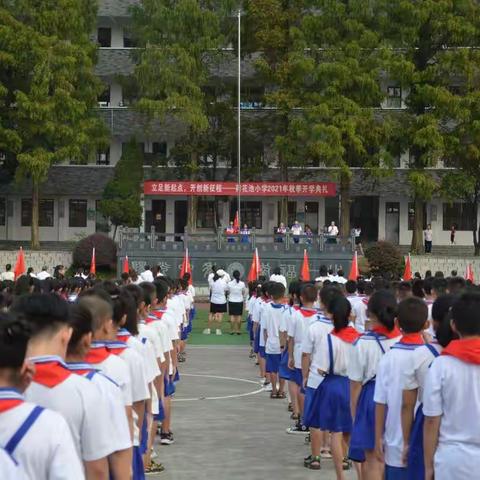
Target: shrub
{"points": [[364, 266], [385, 259], [105, 251]]}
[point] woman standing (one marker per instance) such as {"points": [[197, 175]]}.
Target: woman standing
{"points": [[236, 298], [428, 236], [218, 301]]}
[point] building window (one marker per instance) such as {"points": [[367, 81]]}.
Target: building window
{"points": [[205, 214], [461, 215], [128, 40], [77, 213], [394, 97], [250, 213], [104, 97], [45, 214], [104, 37], [411, 215], [159, 148], [3, 207], [103, 157], [101, 222]]}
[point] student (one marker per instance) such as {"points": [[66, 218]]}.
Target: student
{"points": [[147, 275], [81, 322], [258, 325], [412, 319], [277, 276], [55, 387], [236, 299], [218, 300], [46, 450], [7, 275], [451, 406], [414, 384], [327, 406], [272, 314], [362, 370]]}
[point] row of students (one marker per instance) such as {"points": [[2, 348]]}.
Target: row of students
{"points": [[362, 391], [83, 386]]}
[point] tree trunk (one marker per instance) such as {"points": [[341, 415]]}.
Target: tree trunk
{"points": [[35, 240], [418, 221], [344, 206], [192, 200], [284, 200], [283, 214]]}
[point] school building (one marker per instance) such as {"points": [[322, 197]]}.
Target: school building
{"points": [[68, 208]]}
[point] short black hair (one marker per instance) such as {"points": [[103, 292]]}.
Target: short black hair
{"points": [[427, 285], [323, 272], [45, 312], [383, 305], [276, 290], [441, 315], [340, 308], [417, 288], [309, 293], [277, 271], [162, 288], [439, 284], [327, 294], [439, 274], [150, 291], [412, 315], [80, 318], [14, 335], [351, 286], [465, 314], [8, 267], [455, 284]]}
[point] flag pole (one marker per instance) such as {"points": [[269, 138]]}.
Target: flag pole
{"points": [[239, 119]]}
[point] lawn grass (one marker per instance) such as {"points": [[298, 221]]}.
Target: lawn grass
{"points": [[200, 323]]}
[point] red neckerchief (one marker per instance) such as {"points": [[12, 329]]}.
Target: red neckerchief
{"points": [[382, 330], [81, 368], [412, 339], [467, 350], [51, 373], [9, 398], [123, 335], [365, 301], [116, 347], [347, 334], [97, 354], [158, 313], [308, 312], [296, 307]]}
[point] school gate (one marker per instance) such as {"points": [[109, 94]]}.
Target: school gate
{"points": [[230, 253]]}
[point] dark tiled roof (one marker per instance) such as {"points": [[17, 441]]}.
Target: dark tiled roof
{"points": [[66, 180], [113, 62], [115, 8]]}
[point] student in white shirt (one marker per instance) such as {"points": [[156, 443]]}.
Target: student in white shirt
{"points": [[43, 275], [451, 399], [218, 301], [236, 299], [46, 450], [277, 276], [272, 315], [362, 370], [147, 275], [7, 275], [332, 230], [296, 231], [412, 318], [55, 387], [414, 385]]}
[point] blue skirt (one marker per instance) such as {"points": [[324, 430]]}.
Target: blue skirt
{"points": [[363, 431], [311, 407], [256, 340], [296, 376], [284, 372], [334, 404], [273, 362], [144, 437], [160, 416], [137, 465], [396, 473], [416, 465], [176, 378], [184, 334], [169, 386], [261, 351]]}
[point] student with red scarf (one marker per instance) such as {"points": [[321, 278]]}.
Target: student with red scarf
{"points": [[452, 398]]}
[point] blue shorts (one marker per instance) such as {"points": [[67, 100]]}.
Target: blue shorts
{"points": [[261, 352], [297, 377], [144, 439], [415, 464], [137, 465], [395, 473], [273, 362], [256, 340], [284, 372], [363, 430]]}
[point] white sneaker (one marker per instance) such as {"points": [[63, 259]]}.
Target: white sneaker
{"points": [[218, 331], [206, 331], [268, 388]]}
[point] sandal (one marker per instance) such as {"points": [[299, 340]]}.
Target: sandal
{"points": [[325, 453], [154, 468], [307, 460], [273, 395], [281, 395], [314, 463], [346, 464], [308, 438], [290, 407], [295, 416]]}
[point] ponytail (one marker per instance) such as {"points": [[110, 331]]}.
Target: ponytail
{"points": [[383, 305], [236, 275], [340, 310]]}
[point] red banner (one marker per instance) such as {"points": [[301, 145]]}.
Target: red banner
{"points": [[268, 189]]}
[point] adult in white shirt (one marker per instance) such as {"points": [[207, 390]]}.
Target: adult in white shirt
{"points": [[296, 231], [147, 275], [8, 275], [236, 299], [332, 232], [428, 236], [277, 276], [218, 301], [43, 275]]}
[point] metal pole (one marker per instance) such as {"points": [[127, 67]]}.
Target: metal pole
{"points": [[239, 133]]}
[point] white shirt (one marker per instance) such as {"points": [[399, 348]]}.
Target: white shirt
{"points": [[138, 377], [273, 314], [359, 309], [47, 451], [147, 276], [218, 288], [389, 392], [452, 390], [417, 369], [262, 325], [428, 235], [10, 469], [148, 331], [286, 318], [296, 229], [236, 291], [366, 355], [279, 279], [144, 348], [84, 409], [256, 307], [8, 276], [43, 275], [333, 230]]}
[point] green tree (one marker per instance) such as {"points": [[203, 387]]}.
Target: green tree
{"points": [[122, 195], [428, 52], [47, 87], [179, 42]]}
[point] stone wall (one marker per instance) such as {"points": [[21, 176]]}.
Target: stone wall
{"points": [[36, 259], [445, 264]]}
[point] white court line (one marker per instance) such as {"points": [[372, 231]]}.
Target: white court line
{"points": [[244, 380], [218, 347]]}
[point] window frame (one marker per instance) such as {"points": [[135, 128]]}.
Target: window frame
{"points": [[98, 37], [208, 214], [462, 223], [246, 215], [70, 210], [27, 206], [394, 96]]}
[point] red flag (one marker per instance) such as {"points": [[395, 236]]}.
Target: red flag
{"points": [[305, 271], [93, 263], [255, 268], [186, 267], [236, 225], [20, 268], [354, 273], [407, 274], [469, 273], [126, 267]]}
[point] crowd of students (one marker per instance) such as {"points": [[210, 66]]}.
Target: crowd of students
{"points": [[381, 377], [87, 372]]}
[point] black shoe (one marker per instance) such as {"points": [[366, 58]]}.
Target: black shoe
{"points": [[166, 439]]}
